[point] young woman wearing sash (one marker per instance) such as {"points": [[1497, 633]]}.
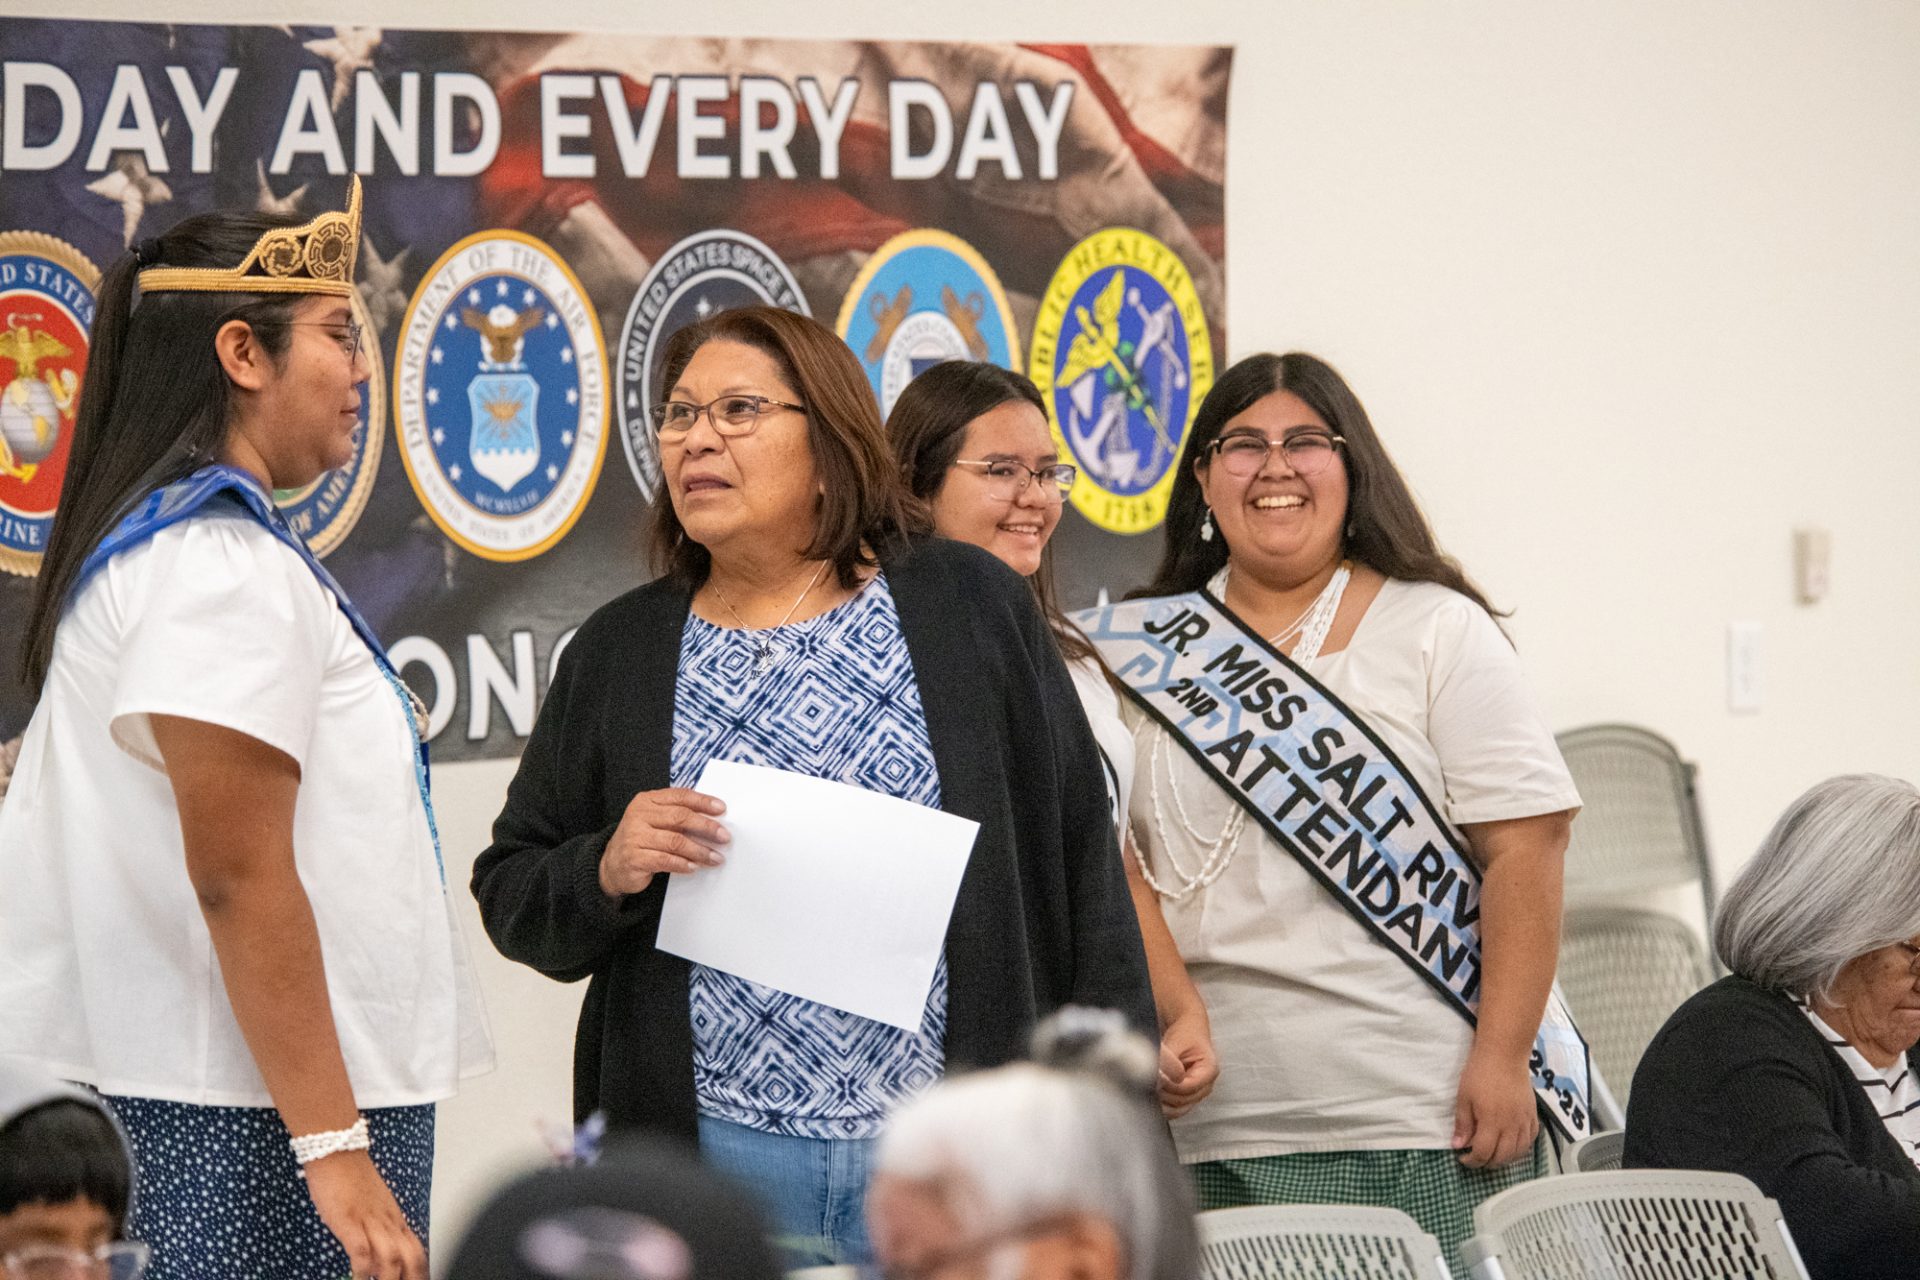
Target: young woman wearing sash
{"points": [[973, 443], [221, 903], [1340, 992]]}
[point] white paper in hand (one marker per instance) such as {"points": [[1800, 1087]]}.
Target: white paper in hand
{"points": [[829, 892]]}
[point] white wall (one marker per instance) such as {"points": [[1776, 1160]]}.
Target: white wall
{"points": [[1628, 287]]}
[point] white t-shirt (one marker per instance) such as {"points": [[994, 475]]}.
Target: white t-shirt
{"points": [[107, 972], [1327, 1040], [1101, 702]]}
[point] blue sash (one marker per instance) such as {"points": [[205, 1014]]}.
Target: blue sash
{"points": [[184, 497], [1329, 791]]}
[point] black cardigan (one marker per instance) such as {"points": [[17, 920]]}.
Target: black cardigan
{"points": [[1043, 916], [1739, 1081]]}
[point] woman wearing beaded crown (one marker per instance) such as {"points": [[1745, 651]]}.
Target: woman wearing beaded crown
{"points": [[798, 627], [1277, 798], [220, 896]]}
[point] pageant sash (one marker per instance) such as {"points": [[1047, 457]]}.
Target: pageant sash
{"points": [[184, 497], [1330, 792]]}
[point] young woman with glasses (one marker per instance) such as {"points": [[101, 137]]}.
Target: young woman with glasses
{"points": [[798, 626], [1343, 1075], [974, 447]]}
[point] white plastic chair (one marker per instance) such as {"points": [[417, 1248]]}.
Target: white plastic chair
{"points": [[1639, 827], [1623, 973], [1634, 1224], [1316, 1242], [1596, 1153]]}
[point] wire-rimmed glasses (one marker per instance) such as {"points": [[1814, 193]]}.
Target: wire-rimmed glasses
{"points": [[734, 415], [1006, 479]]}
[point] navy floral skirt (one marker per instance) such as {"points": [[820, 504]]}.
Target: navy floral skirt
{"points": [[219, 1194]]}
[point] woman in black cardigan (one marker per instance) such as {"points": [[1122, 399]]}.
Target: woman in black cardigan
{"points": [[789, 573], [1795, 1072]]}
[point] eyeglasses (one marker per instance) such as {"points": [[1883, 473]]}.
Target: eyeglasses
{"points": [[121, 1260], [966, 1251], [1307, 453], [730, 415], [1913, 956], [348, 333], [1007, 480]]}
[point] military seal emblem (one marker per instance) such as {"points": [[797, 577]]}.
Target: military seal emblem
{"points": [[1122, 354], [708, 272], [46, 313], [500, 395], [923, 297], [324, 512]]}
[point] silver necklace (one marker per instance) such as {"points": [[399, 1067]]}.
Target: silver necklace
{"points": [[763, 640]]}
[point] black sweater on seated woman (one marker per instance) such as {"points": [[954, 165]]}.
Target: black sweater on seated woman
{"points": [[1740, 1081]]}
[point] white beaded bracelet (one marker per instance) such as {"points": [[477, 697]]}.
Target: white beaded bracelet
{"points": [[308, 1147]]}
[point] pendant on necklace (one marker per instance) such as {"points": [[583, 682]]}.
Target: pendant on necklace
{"points": [[762, 658]]}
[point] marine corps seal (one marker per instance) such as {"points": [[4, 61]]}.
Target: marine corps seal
{"points": [[46, 313]]}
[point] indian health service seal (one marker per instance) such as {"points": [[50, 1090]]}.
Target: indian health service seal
{"points": [[923, 297], [1121, 352], [46, 312], [325, 511], [705, 273], [500, 395]]}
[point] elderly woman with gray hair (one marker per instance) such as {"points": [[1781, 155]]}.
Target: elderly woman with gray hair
{"points": [[1795, 1071], [1055, 1169]]}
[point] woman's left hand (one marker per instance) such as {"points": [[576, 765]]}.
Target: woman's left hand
{"points": [[1494, 1117], [1188, 1066]]}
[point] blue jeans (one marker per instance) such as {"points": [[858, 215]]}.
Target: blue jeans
{"points": [[814, 1189]]}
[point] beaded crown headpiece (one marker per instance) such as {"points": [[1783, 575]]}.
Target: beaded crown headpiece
{"points": [[315, 258]]}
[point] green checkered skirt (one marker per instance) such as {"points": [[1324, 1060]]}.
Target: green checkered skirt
{"points": [[1431, 1187]]}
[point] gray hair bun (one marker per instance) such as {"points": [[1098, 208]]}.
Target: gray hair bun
{"points": [[1099, 1043]]}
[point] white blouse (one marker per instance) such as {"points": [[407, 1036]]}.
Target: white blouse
{"points": [[1327, 1040], [107, 972]]}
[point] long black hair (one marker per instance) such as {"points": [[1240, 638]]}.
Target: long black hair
{"points": [[154, 404], [1385, 529], [928, 427]]}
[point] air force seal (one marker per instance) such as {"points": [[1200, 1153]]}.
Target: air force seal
{"points": [[500, 395], [923, 297], [46, 312], [324, 512], [705, 273], [1121, 352]]}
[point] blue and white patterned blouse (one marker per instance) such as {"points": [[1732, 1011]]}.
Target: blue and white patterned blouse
{"points": [[839, 702]]}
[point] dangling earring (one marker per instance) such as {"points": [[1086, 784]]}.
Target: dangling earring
{"points": [[1206, 526]]}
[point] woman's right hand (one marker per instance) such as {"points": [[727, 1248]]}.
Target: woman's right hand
{"points": [[672, 829], [357, 1207]]}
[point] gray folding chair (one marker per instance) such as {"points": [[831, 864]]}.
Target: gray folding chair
{"points": [[1639, 826], [1316, 1242], [1634, 1224], [1596, 1153], [1623, 972]]}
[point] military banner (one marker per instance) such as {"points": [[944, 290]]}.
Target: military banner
{"points": [[544, 210]]}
